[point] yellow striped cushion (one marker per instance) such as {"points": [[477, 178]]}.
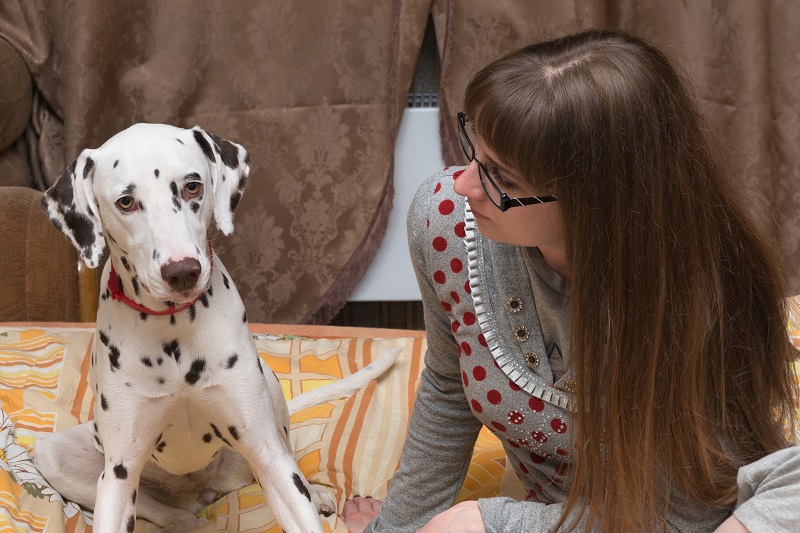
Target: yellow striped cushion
{"points": [[352, 445]]}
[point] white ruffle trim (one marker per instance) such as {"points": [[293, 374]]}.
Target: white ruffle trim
{"points": [[522, 377]]}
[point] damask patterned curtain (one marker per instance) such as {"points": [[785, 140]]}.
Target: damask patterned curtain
{"points": [[316, 90], [309, 88]]}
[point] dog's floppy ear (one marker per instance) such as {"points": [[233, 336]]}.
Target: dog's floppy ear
{"points": [[230, 166], [71, 206]]}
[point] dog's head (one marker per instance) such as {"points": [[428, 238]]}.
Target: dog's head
{"points": [[148, 195]]}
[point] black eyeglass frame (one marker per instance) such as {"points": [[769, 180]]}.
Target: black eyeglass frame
{"points": [[506, 202]]}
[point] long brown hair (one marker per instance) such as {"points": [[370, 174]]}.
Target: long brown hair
{"points": [[678, 324]]}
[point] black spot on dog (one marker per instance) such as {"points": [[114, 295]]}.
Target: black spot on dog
{"points": [[219, 435], [176, 203], [174, 188], [94, 425], [140, 205], [131, 524], [204, 300], [172, 349], [231, 361], [244, 317], [196, 370], [147, 362], [227, 151], [116, 163], [111, 237], [113, 357], [143, 316], [169, 303], [172, 320], [160, 447], [242, 182], [161, 381], [156, 255], [135, 283], [159, 360], [286, 430], [210, 291], [195, 207], [207, 438], [120, 471], [97, 440], [235, 197], [226, 282], [104, 338], [125, 263], [204, 146], [159, 438], [133, 498], [103, 402], [192, 313], [180, 141], [234, 432], [83, 231], [129, 189], [301, 486], [156, 172], [87, 168]]}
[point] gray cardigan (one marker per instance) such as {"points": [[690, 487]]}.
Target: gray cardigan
{"points": [[486, 364]]}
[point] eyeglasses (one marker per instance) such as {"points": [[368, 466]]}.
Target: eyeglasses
{"points": [[500, 199]]}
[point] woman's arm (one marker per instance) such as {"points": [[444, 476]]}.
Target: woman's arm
{"points": [[769, 493], [442, 430]]}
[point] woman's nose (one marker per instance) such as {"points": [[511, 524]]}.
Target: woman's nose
{"points": [[468, 182]]}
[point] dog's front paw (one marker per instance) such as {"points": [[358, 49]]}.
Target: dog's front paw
{"points": [[322, 499], [185, 525]]}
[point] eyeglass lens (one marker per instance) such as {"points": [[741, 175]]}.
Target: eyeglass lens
{"points": [[469, 140]]}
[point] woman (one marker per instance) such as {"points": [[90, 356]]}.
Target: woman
{"points": [[596, 294]]}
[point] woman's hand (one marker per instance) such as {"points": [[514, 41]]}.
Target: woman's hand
{"points": [[462, 518], [359, 512]]}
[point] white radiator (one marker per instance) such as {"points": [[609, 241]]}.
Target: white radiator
{"points": [[418, 155]]}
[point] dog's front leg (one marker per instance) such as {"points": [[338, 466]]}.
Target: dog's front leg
{"points": [[128, 428], [250, 414], [117, 488]]}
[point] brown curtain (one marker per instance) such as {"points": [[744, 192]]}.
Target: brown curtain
{"points": [[310, 88], [316, 91], [742, 56]]}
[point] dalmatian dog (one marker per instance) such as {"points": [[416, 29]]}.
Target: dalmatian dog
{"points": [[185, 410]]}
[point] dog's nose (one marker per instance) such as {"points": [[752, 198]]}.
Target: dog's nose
{"points": [[181, 275]]}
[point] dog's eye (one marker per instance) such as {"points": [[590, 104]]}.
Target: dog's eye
{"points": [[125, 203], [193, 189]]}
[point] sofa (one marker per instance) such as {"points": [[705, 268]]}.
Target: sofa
{"points": [[39, 280]]}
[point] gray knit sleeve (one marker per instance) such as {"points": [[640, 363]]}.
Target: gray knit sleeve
{"points": [[769, 493], [442, 430]]}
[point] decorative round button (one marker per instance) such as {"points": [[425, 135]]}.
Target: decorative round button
{"points": [[532, 359], [514, 304], [521, 333]]}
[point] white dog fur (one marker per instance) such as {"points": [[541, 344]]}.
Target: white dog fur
{"points": [[183, 403]]}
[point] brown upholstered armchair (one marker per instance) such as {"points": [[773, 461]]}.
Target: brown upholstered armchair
{"points": [[38, 274]]}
